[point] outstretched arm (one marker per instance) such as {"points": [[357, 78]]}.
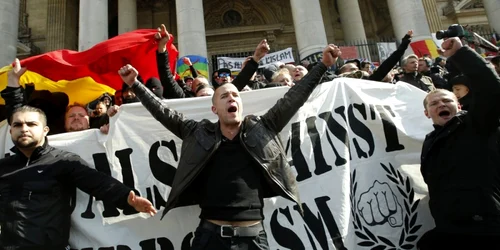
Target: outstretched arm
{"points": [[171, 119], [187, 61], [280, 114], [393, 59], [251, 66], [171, 89], [102, 186]]}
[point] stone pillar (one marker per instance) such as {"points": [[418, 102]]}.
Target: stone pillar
{"points": [[9, 25], [409, 15], [492, 8], [127, 16], [93, 23], [432, 14], [191, 28], [61, 25], [352, 26], [309, 27]]}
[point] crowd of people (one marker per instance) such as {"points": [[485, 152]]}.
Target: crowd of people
{"points": [[422, 72], [231, 195]]}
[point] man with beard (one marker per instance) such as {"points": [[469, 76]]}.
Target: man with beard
{"points": [[230, 166], [37, 183], [460, 159], [77, 118]]}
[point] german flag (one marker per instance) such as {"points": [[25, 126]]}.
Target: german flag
{"points": [[425, 47], [86, 75]]}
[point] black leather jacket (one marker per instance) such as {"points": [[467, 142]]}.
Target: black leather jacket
{"points": [[260, 137], [35, 195]]}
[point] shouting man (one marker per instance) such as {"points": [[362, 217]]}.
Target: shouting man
{"points": [[230, 166], [460, 160]]}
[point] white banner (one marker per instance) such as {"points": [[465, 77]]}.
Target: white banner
{"points": [[235, 63], [385, 50], [354, 146]]}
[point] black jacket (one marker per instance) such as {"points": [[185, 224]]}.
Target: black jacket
{"points": [[35, 196], [437, 79], [171, 89], [460, 161], [418, 80], [391, 61], [259, 134]]}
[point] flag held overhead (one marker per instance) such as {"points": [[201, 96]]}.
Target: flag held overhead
{"points": [[86, 75]]}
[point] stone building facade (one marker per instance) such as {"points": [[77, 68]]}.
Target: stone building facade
{"points": [[215, 27]]}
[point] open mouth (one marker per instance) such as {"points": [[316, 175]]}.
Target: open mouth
{"points": [[444, 113], [232, 109]]}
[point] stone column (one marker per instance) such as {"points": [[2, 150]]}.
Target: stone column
{"points": [[352, 26], [127, 16], [191, 28], [433, 17], [9, 25], [309, 27], [61, 25], [409, 15], [492, 8], [93, 23]]}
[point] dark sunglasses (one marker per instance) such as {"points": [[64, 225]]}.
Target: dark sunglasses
{"points": [[224, 75]]}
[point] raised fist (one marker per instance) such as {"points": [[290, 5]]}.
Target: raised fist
{"points": [[261, 50], [379, 205], [128, 74], [330, 55], [113, 110], [450, 46], [187, 61]]}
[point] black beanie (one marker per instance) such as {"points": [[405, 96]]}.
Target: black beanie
{"points": [[460, 79], [155, 86]]}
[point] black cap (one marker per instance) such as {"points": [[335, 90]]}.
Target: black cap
{"points": [[460, 79], [224, 70], [153, 82], [269, 71], [355, 61]]}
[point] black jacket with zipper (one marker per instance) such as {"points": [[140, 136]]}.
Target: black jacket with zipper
{"points": [[36, 195], [460, 161], [259, 135]]}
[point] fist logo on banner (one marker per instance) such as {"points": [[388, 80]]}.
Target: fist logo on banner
{"points": [[379, 205]]}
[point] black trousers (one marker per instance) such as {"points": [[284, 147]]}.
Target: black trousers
{"points": [[211, 239], [434, 240]]}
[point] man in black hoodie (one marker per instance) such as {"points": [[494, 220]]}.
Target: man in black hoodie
{"points": [[155, 86]]}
